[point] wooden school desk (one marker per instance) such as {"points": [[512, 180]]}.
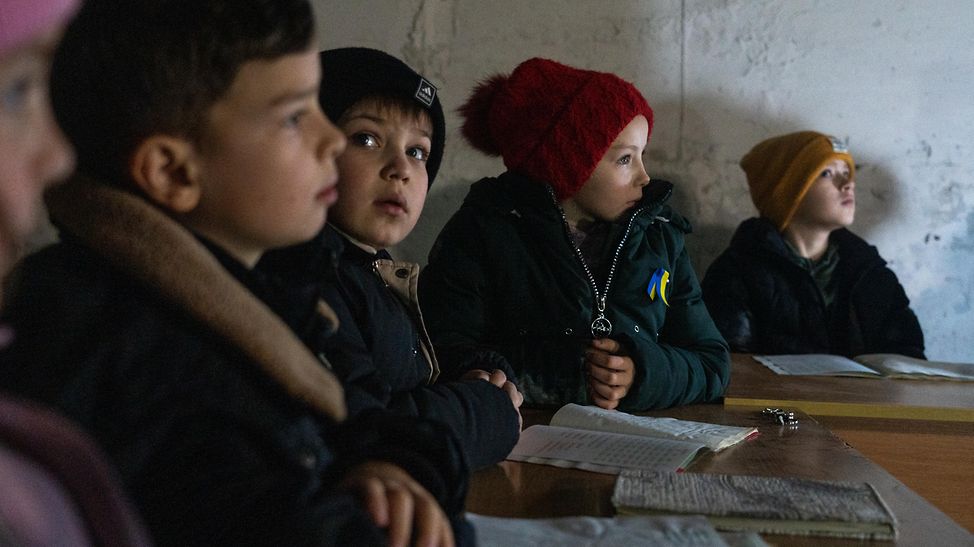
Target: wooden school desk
{"points": [[754, 384], [921, 431], [513, 489]]}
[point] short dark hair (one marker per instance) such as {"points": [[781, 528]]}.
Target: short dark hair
{"points": [[129, 69]]}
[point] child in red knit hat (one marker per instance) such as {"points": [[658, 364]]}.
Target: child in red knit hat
{"points": [[570, 264]]}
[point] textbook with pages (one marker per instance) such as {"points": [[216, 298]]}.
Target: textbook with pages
{"points": [[585, 531], [771, 505], [877, 365], [608, 441]]}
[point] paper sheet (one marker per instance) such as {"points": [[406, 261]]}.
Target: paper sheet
{"points": [[597, 532], [601, 451], [714, 436]]}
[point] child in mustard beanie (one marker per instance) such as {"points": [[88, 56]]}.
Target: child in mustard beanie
{"points": [[796, 280]]}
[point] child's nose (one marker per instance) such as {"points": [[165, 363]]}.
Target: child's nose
{"points": [[642, 177], [56, 159], [397, 167], [332, 140]]}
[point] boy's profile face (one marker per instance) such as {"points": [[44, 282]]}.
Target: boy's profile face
{"points": [[265, 160], [830, 202], [617, 183], [33, 151], [384, 181]]}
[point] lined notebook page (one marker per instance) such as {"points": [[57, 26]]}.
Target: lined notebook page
{"points": [[601, 451], [714, 436]]}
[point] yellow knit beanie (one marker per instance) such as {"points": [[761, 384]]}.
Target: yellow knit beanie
{"points": [[781, 169]]}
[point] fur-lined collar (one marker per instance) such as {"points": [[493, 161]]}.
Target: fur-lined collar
{"points": [[139, 238]]}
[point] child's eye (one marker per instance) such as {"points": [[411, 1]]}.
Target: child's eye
{"points": [[418, 152], [625, 160], [294, 119], [15, 96], [827, 174], [364, 139]]}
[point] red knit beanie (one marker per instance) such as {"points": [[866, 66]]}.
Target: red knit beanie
{"points": [[551, 122]]}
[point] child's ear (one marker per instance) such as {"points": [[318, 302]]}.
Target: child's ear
{"points": [[162, 167]]}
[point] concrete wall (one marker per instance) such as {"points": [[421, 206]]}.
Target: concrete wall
{"points": [[893, 77]]}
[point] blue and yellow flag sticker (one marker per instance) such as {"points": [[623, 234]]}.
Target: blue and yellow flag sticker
{"points": [[658, 285]]}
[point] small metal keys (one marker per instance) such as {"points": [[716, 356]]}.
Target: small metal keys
{"points": [[780, 417]]}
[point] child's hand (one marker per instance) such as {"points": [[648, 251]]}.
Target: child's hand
{"points": [[399, 504], [610, 373], [499, 379], [476, 374]]}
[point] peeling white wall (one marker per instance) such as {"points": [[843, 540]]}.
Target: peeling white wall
{"points": [[893, 77]]}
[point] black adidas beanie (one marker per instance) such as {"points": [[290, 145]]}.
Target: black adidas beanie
{"points": [[353, 73]]}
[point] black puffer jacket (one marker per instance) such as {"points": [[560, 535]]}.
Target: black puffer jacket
{"points": [[195, 390], [763, 302], [381, 353]]}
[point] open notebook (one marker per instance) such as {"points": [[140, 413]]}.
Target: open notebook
{"points": [[876, 365], [608, 441]]}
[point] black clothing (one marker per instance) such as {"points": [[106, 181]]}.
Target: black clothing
{"points": [[215, 446], [763, 302], [378, 352]]}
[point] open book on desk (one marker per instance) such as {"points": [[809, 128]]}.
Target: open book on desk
{"points": [[608, 441], [773, 505], [714, 436], [876, 365]]}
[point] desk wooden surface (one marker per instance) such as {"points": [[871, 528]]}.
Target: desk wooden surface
{"points": [[921, 431], [935, 459], [752, 383], [513, 489]]}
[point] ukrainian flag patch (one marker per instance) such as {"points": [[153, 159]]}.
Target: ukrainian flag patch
{"points": [[659, 284]]}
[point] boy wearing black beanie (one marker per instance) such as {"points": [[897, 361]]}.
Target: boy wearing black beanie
{"points": [[393, 121]]}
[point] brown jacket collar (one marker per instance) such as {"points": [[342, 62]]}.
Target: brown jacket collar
{"points": [[139, 238]]}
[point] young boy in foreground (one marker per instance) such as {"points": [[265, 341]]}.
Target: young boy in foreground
{"points": [[200, 146]]}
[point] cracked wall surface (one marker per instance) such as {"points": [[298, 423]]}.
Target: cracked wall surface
{"points": [[893, 78]]}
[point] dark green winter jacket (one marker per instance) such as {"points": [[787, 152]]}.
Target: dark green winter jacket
{"points": [[504, 277]]}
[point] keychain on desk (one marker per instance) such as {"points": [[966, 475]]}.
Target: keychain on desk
{"points": [[781, 417]]}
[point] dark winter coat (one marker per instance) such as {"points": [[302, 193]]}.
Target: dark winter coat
{"points": [[504, 277], [763, 302], [382, 354], [224, 429]]}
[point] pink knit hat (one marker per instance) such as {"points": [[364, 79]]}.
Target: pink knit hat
{"points": [[551, 122], [23, 20]]}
